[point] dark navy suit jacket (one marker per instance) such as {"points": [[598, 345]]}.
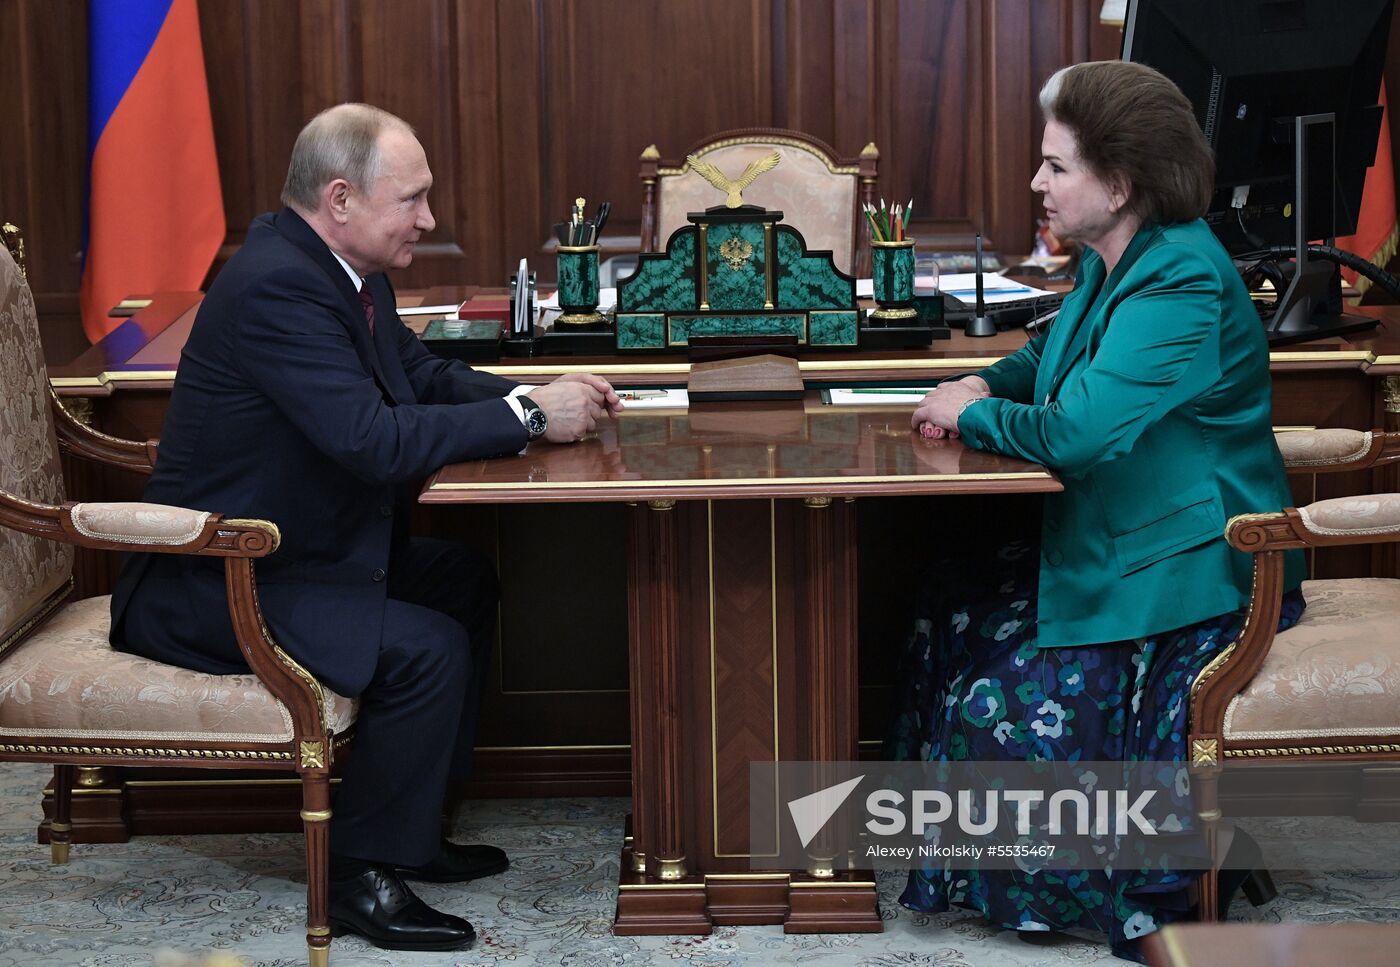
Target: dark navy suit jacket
{"points": [[286, 409]]}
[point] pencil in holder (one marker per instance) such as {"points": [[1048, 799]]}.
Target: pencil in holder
{"points": [[578, 286], [892, 270]]}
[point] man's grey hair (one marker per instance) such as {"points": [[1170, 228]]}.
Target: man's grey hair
{"points": [[340, 142]]}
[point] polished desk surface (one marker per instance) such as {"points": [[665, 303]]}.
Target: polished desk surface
{"points": [[740, 450], [142, 353], [1274, 945]]}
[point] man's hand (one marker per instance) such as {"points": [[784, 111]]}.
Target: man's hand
{"points": [[573, 404], [937, 416], [610, 397]]}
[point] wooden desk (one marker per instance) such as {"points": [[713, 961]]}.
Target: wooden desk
{"points": [[1352, 381], [741, 570], [1274, 945], [556, 716]]}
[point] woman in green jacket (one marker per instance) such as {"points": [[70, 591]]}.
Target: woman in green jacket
{"points": [[1150, 398]]}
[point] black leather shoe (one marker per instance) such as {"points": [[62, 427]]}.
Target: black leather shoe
{"points": [[456, 863], [380, 907]]}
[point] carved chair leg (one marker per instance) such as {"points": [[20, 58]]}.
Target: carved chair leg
{"points": [[316, 815], [61, 826], [1207, 790]]}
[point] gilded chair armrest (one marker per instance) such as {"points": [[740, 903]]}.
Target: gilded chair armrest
{"points": [[1365, 519], [1336, 450], [80, 440], [138, 526]]}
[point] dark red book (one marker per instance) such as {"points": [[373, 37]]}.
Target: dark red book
{"points": [[485, 307]]}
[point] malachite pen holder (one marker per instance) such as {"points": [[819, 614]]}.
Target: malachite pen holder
{"points": [[578, 286], [892, 270]]}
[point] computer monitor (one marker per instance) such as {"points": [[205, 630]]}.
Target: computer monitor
{"points": [[1251, 69]]}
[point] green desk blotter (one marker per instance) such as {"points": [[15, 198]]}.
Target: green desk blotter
{"points": [[470, 340]]}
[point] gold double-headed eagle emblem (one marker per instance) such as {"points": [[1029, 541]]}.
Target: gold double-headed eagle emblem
{"points": [[735, 252]]}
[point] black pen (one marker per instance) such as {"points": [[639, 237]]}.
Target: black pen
{"points": [[600, 220], [981, 306]]}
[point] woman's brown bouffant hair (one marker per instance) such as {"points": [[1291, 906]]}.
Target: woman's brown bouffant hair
{"points": [[1132, 123]]}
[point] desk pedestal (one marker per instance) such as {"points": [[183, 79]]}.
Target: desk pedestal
{"points": [[742, 648]]}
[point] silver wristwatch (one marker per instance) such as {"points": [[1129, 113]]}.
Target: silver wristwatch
{"points": [[536, 422]]}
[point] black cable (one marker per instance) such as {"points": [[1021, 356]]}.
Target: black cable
{"points": [[1249, 236], [1331, 253]]}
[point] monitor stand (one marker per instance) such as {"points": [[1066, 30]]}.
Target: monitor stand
{"points": [[1322, 327], [1302, 313]]}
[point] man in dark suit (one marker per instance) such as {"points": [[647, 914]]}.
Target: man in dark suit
{"points": [[302, 398]]}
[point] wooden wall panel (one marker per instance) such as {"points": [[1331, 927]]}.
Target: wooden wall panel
{"points": [[611, 86], [524, 104], [43, 124]]}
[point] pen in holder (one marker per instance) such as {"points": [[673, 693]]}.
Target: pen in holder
{"points": [[520, 340], [578, 287], [892, 270]]}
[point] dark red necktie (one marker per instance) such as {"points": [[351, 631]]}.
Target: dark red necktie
{"points": [[367, 300]]}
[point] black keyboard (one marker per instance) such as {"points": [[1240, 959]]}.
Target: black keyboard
{"points": [[1006, 315]]}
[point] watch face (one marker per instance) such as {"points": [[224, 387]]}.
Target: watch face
{"points": [[536, 422]]}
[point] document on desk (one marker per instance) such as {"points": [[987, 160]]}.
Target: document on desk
{"points": [[654, 399], [876, 396], [995, 288], [427, 310]]}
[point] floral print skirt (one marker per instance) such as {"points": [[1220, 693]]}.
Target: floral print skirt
{"points": [[976, 687]]}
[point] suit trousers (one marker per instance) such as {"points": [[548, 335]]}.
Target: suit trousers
{"points": [[417, 718]]}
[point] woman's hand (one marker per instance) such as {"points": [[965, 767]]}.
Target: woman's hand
{"points": [[937, 416]]}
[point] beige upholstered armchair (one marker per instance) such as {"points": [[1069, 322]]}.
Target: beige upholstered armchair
{"points": [[66, 697], [818, 193], [1285, 696]]}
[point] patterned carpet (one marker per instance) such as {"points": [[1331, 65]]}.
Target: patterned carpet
{"points": [[244, 895]]}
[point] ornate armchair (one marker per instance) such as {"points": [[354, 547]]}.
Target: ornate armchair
{"points": [[66, 697], [1285, 696], [819, 193]]}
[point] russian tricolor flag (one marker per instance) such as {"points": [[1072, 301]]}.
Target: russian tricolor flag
{"points": [[155, 215]]}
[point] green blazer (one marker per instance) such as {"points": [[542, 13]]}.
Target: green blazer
{"points": [[1151, 397]]}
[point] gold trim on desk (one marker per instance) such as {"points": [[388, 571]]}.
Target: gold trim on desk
{"points": [[605, 369], [832, 884], [507, 485], [1347, 355], [1364, 357]]}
